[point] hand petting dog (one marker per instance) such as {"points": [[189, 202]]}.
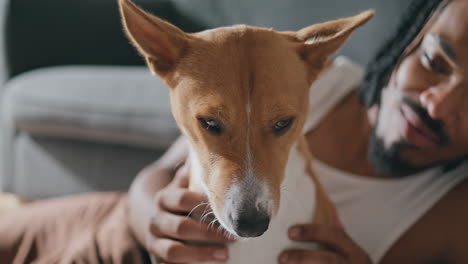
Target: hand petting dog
{"points": [[172, 232], [337, 246]]}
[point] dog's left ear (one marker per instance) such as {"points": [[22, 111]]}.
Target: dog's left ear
{"points": [[160, 42], [323, 40]]}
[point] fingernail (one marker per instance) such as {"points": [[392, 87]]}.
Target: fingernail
{"points": [[284, 258], [295, 232], [220, 254]]}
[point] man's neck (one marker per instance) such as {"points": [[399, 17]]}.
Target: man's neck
{"points": [[342, 137]]}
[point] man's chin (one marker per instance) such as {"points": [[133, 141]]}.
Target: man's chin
{"points": [[388, 161]]}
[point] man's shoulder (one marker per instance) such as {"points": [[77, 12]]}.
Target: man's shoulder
{"points": [[456, 203], [450, 212], [453, 226], [439, 235]]}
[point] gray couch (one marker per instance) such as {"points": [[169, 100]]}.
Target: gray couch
{"points": [[80, 113]]}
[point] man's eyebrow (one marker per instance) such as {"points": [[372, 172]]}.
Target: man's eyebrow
{"points": [[445, 47]]}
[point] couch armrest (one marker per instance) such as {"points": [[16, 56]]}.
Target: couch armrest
{"points": [[114, 104]]}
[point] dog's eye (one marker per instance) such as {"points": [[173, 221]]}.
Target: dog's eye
{"points": [[211, 125], [282, 126]]}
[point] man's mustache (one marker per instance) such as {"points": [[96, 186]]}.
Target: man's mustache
{"points": [[435, 126]]}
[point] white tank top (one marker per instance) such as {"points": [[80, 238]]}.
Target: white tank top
{"points": [[375, 212]]}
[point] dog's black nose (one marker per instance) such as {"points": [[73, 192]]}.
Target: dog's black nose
{"points": [[251, 223]]}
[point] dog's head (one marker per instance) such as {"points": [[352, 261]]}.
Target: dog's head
{"points": [[240, 95]]}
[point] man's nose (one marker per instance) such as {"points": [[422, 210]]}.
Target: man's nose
{"points": [[442, 102]]}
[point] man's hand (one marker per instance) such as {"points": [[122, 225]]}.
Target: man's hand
{"points": [[337, 246], [171, 230]]}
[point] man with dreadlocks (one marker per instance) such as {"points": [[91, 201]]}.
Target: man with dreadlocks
{"points": [[390, 150]]}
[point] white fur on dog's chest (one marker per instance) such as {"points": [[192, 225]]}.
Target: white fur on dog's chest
{"points": [[297, 205]]}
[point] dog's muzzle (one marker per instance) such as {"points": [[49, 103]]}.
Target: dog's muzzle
{"points": [[250, 222]]}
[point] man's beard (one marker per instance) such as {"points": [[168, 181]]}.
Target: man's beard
{"points": [[389, 161]]}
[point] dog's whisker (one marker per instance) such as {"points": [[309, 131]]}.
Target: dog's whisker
{"points": [[205, 216], [205, 213], [220, 229], [225, 232], [195, 208], [207, 209], [212, 223], [230, 235]]}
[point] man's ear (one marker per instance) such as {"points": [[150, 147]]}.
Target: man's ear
{"points": [[161, 43], [323, 40]]}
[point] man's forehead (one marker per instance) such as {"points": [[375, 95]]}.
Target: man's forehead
{"points": [[450, 32], [452, 24]]}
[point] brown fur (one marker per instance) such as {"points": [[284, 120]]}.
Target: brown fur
{"points": [[214, 74]]}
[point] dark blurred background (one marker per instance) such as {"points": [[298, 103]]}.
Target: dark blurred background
{"points": [[58, 32], [80, 113]]}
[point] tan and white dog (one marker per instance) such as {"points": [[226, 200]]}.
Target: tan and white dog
{"points": [[240, 96]]}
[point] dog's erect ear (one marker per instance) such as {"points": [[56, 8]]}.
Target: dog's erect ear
{"points": [[323, 40], [158, 41]]}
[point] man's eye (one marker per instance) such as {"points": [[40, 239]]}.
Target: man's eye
{"points": [[434, 64], [282, 126], [213, 126]]}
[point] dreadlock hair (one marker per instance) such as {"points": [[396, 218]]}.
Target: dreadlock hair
{"points": [[381, 66]]}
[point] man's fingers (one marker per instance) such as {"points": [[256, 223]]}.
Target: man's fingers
{"points": [[178, 200], [181, 178], [297, 256], [170, 251], [156, 261], [184, 228], [181, 181], [332, 237]]}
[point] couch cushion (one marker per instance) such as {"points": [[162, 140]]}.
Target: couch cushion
{"points": [[124, 104], [50, 167]]}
